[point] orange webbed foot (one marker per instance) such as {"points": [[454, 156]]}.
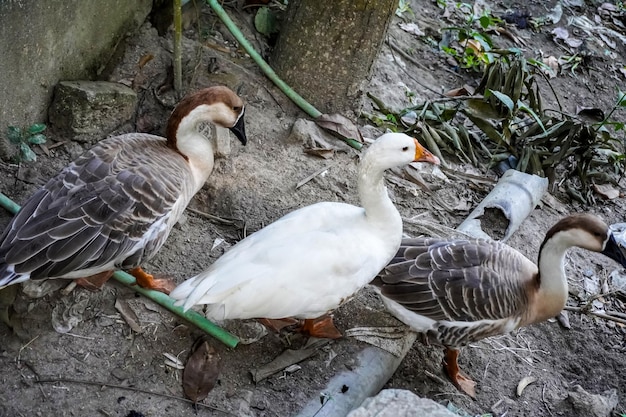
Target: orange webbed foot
{"points": [[148, 281], [461, 381], [321, 327]]}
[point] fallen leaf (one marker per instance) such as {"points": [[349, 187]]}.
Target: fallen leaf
{"points": [[465, 90], [321, 152], [553, 66], [128, 315], [606, 190], [339, 125], [172, 361], [201, 372], [144, 60], [526, 381]]}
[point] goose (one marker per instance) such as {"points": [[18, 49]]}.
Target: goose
{"points": [[463, 290], [307, 263], [115, 205]]}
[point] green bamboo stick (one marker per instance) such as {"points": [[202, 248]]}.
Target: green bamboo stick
{"points": [[271, 74], [160, 298]]}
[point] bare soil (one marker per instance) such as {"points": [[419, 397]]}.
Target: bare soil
{"points": [[99, 366]]}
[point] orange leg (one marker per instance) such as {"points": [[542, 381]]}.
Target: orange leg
{"points": [[146, 280], [94, 282], [321, 327], [461, 381]]}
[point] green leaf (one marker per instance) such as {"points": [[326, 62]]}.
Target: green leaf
{"points": [[27, 154], [265, 21], [37, 139], [485, 21], [506, 100], [14, 134], [36, 128], [523, 107]]}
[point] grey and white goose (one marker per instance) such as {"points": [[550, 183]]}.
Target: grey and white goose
{"points": [[115, 205], [463, 290]]}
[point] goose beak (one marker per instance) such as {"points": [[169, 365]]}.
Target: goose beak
{"points": [[614, 251], [240, 129], [423, 155]]}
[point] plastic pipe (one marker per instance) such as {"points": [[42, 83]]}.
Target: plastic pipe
{"points": [[160, 298]]}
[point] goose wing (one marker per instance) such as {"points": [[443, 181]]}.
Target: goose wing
{"points": [[458, 280], [111, 207]]}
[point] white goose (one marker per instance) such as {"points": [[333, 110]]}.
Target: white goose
{"points": [[460, 291], [310, 261], [115, 205]]}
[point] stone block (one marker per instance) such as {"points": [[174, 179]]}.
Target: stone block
{"points": [[89, 110], [400, 403]]}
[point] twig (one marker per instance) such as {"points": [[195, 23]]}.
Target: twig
{"points": [[19, 354], [80, 336], [143, 391], [215, 218], [313, 175], [595, 313], [434, 377]]}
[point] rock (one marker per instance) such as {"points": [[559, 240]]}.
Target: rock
{"points": [[592, 405], [311, 135], [400, 403], [89, 110]]}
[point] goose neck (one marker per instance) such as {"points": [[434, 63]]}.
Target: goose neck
{"points": [[551, 263], [374, 197]]}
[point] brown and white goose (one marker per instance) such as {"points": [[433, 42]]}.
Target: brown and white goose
{"points": [[115, 206], [461, 291]]}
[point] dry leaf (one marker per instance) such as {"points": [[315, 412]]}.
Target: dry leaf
{"points": [[321, 152], [128, 315], [144, 60], [553, 63], [606, 190], [526, 381], [466, 90], [201, 372], [340, 125]]}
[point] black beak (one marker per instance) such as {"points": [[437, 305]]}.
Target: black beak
{"points": [[614, 251], [240, 129]]}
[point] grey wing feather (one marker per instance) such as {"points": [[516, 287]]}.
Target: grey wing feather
{"points": [[457, 280], [96, 210]]}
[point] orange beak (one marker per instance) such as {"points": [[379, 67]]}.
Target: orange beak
{"points": [[423, 155]]}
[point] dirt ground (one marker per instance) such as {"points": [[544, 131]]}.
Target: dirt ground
{"points": [[102, 367]]}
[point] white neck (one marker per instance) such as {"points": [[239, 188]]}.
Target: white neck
{"points": [[379, 209], [191, 143], [552, 268]]}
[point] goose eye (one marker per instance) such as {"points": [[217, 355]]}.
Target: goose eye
{"points": [[237, 109], [406, 148]]}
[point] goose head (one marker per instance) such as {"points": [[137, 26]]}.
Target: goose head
{"points": [[397, 149], [585, 231], [217, 105]]}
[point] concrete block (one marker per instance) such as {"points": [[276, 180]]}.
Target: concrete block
{"points": [[89, 110], [400, 403]]}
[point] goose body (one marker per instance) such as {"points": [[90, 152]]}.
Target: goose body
{"points": [[115, 205], [462, 290], [310, 261]]}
